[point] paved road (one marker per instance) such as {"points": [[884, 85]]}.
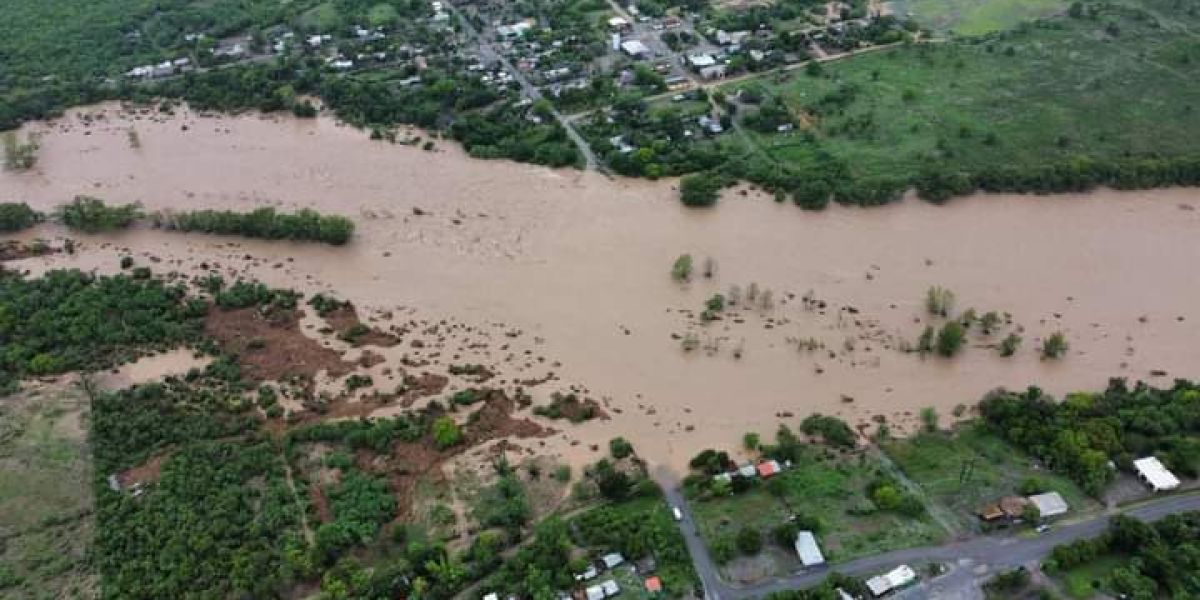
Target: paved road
{"points": [[488, 53], [997, 552]]}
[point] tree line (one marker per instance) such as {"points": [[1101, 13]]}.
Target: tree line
{"points": [[1081, 434], [265, 223]]}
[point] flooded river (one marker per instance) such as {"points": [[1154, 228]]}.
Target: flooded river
{"points": [[581, 264]]}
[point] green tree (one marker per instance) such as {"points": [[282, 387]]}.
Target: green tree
{"points": [[446, 432], [620, 447], [950, 338], [700, 189], [749, 541]]}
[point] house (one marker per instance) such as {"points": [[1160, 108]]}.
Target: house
{"points": [[1151, 471], [587, 575], [515, 30], [892, 580], [1009, 507], [491, 596], [676, 82], [610, 588], [768, 468], [1049, 504], [635, 49], [700, 61], [594, 592], [808, 550], [746, 470], [618, 23], [612, 560], [654, 585]]}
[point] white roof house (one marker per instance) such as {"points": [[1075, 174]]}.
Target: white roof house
{"points": [[1155, 475], [492, 596], [747, 470], [701, 60], [595, 593], [808, 550], [1050, 504], [610, 588], [634, 48], [612, 560], [590, 573], [892, 580], [618, 23]]}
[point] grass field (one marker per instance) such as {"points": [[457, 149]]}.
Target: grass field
{"points": [[1058, 91], [831, 489], [935, 461], [45, 495], [975, 17]]}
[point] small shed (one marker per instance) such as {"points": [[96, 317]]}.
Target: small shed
{"points": [[654, 585], [768, 468], [1151, 471], [1049, 504], [808, 550], [612, 560], [610, 588]]}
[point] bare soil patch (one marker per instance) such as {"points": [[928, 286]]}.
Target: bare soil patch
{"points": [[272, 349]]}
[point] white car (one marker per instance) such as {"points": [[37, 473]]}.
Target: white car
{"points": [[678, 513]]}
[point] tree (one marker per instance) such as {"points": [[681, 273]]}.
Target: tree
{"points": [[92, 215], [749, 541], [1055, 346], [929, 419], [620, 447], [750, 441], [1008, 347], [682, 269], [446, 432], [950, 339], [700, 189], [17, 216]]}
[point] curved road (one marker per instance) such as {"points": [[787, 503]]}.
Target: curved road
{"points": [[995, 551]]}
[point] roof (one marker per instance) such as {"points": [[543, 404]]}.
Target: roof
{"points": [[613, 559], [767, 468], [492, 596], [808, 550], [701, 60], [1013, 506], [1155, 474], [617, 22], [896, 578], [747, 471], [634, 47], [991, 512], [595, 593], [610, 588], [1050, 504], [653, 584]]}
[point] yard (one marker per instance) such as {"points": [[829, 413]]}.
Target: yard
{"points": [[824, 486], [1080, 582], [970, 467]]}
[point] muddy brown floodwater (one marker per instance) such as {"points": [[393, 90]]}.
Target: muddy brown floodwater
{"points": [[579, 264]]}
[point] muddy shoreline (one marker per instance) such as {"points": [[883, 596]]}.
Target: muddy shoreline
{"points": [[579, 264]]}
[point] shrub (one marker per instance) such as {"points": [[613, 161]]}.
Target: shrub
{"points": [[1008, 347], [265, 223], [939, 301], [833, 430], [749, 541], [1055, 346], [19, 156], [950, 338], [682, 269], [92, 215], [446, 432], [17, 216], [620, 447]]}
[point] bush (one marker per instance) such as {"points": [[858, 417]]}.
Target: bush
{"points": [[682, 269], [700, 189], [833, 430], [620, 447], [1055, 346], [92, 215], [749, 541], [446, 432], [1009, 346], [950, 339], [17, 216]]}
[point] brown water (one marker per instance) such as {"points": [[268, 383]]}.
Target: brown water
{"points": [[580, 264]]}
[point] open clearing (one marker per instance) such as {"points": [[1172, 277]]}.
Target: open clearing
{"points": [[45, 494], [975, 17]]}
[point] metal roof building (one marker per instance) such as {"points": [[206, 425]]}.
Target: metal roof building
{"points": [[1155, 475], [1049, 504], [808, 550]]}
